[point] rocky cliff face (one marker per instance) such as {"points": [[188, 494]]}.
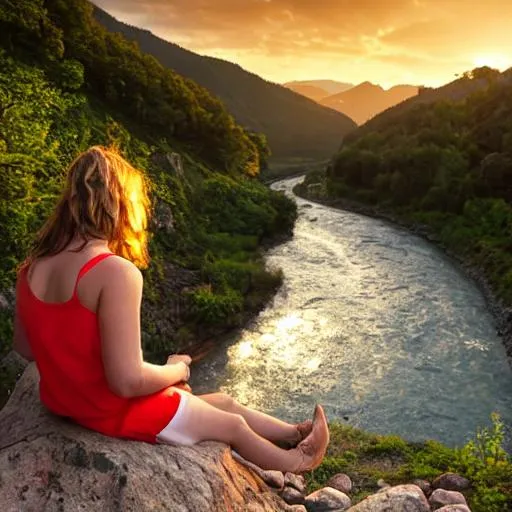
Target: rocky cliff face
{"points": [[50, 464]]}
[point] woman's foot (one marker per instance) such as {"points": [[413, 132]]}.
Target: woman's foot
{"points": [[301, 431], [312, 449]]}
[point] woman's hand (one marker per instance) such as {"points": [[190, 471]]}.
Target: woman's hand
{"points": [[183, 361], [176, 358]]}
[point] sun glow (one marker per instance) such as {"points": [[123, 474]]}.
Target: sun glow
{"points": [[496, 61]]}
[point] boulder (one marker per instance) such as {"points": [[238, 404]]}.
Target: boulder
{"points": [[424, 485], [292, 496], [441, 497], [451, 482], [341, 482], [274, 479], [401, 498], [454, 508], [51, 464], [327, 499], [296, 481]]}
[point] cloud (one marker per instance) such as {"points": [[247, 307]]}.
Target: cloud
{"points": [[403, 37]]}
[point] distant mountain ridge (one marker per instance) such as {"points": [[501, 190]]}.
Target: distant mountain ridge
{"points": [[294, 125], [457, 90], [366, 100], [310, 91], [317, 89]]}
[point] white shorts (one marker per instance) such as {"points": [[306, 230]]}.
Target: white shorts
{"points": [[176, 431]]}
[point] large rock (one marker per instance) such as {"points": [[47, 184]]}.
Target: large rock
{"points": [[341, 482], [296, 481], [292, 496], [441, 497], [401, 498], [424, 485], [451, 482], [454, 508], [327, 499], [50, 464]]}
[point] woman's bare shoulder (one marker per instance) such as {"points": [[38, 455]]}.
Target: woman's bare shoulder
{"points": [[119, 268]]}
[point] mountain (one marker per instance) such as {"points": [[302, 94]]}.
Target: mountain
{"points": [[317, 90], [329, 86], [294, 125], [310, 91], [458, 90], [365, 100]]}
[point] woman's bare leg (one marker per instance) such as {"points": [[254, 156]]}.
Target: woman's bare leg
{"points": [[200, 421], [266, 426]]}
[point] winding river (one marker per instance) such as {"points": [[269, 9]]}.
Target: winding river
{"points": [[376, 324]]}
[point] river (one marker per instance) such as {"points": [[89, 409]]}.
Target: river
{"points": [[376, 324]]}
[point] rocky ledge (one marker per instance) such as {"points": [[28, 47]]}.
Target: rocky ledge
{"points": [[49, 464]]}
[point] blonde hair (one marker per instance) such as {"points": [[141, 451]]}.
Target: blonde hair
{"points": [[104, 198]]}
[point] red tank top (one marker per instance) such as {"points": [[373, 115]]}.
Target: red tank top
{"points": [[65, 342]]}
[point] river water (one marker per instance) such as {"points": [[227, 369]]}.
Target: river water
{"points": [[376, 324]]}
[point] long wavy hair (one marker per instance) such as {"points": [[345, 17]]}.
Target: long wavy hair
{"points": [[104, 198]]}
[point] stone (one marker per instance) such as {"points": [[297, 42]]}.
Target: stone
{"points": [[341, 482], [451, 482], [8, 299], [163, 218], [292, 496], [51, 464], [441, 497], [454, 508], [296, 481], [327, 499], [296, 508], [400, 498], [273, 479], [4, 303], [424, 485]]}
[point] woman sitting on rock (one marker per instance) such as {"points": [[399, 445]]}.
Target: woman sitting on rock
{"points": [[78, 299]]}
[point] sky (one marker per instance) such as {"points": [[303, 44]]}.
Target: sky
{"points": [[388, 42]]}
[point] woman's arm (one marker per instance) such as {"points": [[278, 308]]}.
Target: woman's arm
{"points": [[127, 373], [20, 343]]}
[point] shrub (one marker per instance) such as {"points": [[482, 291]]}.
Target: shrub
{"points": [[215, 308]]}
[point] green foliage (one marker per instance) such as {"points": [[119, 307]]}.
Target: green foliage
{"points": [[66, 84], [215, 308], [367, 457], [449, 160], [244, 208], [391, 445]]}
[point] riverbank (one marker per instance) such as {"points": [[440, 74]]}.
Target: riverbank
{"points": [[501, 311]]}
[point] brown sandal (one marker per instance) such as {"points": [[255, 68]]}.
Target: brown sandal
{"points": [[312, 449]]}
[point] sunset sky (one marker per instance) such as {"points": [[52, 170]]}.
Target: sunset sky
{"points": [[385, 41]]}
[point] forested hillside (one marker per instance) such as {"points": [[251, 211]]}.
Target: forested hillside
{"points": [[447, 164], [458, 90], [294, 125], [66, 84]]}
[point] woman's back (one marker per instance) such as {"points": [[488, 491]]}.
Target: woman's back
{"points": [[57, 301]]}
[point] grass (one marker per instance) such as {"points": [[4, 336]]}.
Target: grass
{"points": [[367, 458]]}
